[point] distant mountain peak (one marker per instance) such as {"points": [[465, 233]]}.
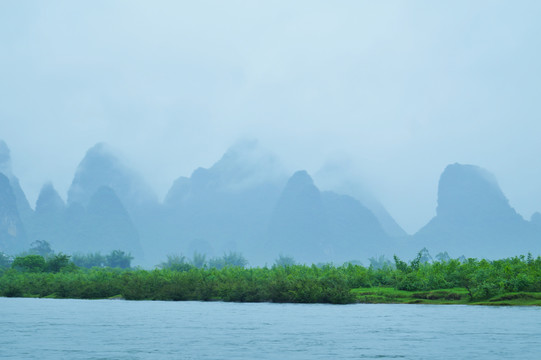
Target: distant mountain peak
{"points": [[49, 200], [301, 184], [246, 164], [243, 146], [322, 226], [12, 232], [340, 177], [5, 168], [5, 159], [5, 156], [301, 177], [468, 190], [101, 167], [474, 217]]}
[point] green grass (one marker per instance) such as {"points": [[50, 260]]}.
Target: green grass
{"points": [[387, 295], [512, 299]]}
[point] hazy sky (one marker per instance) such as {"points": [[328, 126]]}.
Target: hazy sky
{"points": [[396, 90]]}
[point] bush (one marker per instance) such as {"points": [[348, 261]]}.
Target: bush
{"points": [[119, 259], [232, 259], [176, 263], [59, 262], [29, 263]]}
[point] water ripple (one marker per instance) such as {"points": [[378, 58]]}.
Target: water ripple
{"points": [[101, 329]]}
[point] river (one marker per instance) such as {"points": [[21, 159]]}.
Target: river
{"points": [[116, 329]]}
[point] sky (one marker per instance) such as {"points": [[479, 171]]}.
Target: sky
{"points": [[386, 92]]}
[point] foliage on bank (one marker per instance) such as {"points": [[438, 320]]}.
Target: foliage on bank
{"points": [[419, 281], [296, 284]]}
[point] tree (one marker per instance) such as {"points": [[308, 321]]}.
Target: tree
{"points": [[118, 258], [30, 263], [466, 276], [380, 263], [5, 260], [424, 256], [402, 265], [443, 257], [58, 262], [284, 261], [176, 263], [89, 260], [41, 247], [232, 259], [199, 260]]}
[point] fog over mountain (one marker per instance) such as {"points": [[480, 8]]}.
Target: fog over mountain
{"points": [[49, 220], [474, 218], [5, 168], [317, 226], [100, 167], [398, 89], [244, 203], [338, 177], [110, 225], [12, 232], [227, 206], [247, 202], [126, 124]]}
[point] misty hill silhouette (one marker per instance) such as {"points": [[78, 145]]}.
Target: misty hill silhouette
{"points": [[474, 218], [23, 207], [109, 224], [15, 210], [337, 177], [12, 232], [48, 221], [100, 167], [94, 220], [243, 203], [298, 223], [323, 226], [246, 202], [226, 207], [102, 226]]}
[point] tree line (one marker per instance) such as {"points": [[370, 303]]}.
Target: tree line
{"points": [[227, 279]]}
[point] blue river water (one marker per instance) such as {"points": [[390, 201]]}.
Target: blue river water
{"points": [[116, 329]]}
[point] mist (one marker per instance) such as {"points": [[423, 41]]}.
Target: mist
{"points": [[397, 91]]}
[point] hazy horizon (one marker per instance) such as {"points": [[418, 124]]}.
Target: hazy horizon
{"points": [[386, 94]]}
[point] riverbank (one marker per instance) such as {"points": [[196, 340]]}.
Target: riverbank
{"points": [[456, 296], [512, 281], [296, 284], [383, 295]]}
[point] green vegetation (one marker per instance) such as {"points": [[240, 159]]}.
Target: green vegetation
{"points": [[299, 284], [382, 295], [116, 259], [513, 281], [38, 264]]}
